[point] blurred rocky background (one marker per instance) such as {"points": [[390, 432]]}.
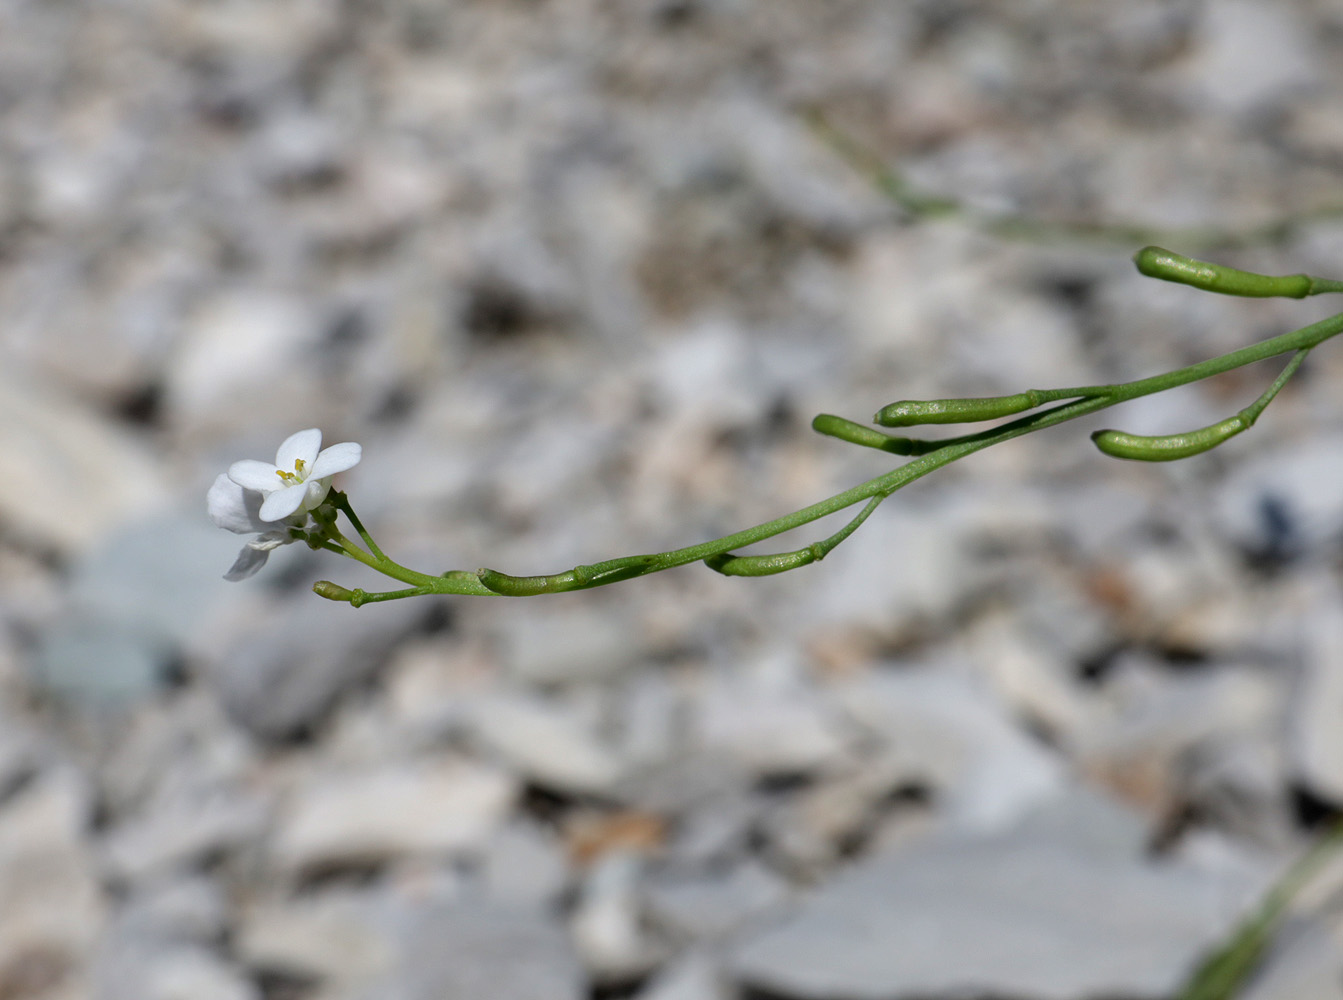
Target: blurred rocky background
{"points": [[577, 274]]}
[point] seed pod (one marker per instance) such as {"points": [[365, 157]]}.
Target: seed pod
{"points": [[854, 433], [1168, 447], [526, 586], [777, 562], [908, 412], [781, 562], [1156, 262]]}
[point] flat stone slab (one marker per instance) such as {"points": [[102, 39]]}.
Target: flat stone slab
{"points": [[1021, 916]]}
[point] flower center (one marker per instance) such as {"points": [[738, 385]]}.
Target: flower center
{"points": [[295, 477]]}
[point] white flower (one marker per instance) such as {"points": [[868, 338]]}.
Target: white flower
{"points": [[301, 476], [267, 500], [236, 509]]}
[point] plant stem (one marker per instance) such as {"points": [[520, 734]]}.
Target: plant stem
{"points": [[932, 455], [1095, 398]]}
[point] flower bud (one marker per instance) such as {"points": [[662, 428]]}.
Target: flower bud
{"points": [[333, 591]]}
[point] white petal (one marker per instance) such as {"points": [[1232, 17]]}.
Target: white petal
{"points": [[337, 458], [269, 540], [301, 446], [282, 503], [233, 507], [248, 562], [317, 489], [253, 475]]}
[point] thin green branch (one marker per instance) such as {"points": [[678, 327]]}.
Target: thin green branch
{"points": [[1222, 975], [919, 205], [1169, 447], [357, 597], [1093, 399], [342, 503], [928, 456], [780, 562]]}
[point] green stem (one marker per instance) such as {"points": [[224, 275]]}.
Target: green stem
{"points": [[1075, 402], [1250, 414], [1222, 974], [892, 185], [382, 564], [780, 562], [1094, 398], [342, 503]]}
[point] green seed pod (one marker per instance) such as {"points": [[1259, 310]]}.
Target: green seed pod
{"points": [[854, 433], [526, 586], [1156, 262], [781, 562], [908, 412], [578, 578], [1168, 447], [778, 562]]}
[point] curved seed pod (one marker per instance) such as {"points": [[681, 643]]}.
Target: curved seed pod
{"points": [[527, 586], [1156, 262], [855, 433], [908, 412], [578, 578], [780, 562], [1168, 447]]}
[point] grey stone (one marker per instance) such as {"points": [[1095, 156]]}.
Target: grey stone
{"points": [[167, 758], [56, 454], [1089, 821], [1306, 960], [373, 816], [1251, 54], [1031, 671], [1285, 501], [134, 972], [191, 910], [1150, 726], [1014, 916], [812, 829], [558, 457], [575, 644], [283, 675], [950, 736], [137, 602], [768, 719], [1241, 784], [337, 937], [181, 831], [712, 905], [548, 743], [865, 589], [471, 952], [294, 149], [21, 752], [607, 925], [53, 910], [693, 976], [1315, 734], [525, 866], [162, 575], [717, 829], [230, 337], [100, 661]]}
